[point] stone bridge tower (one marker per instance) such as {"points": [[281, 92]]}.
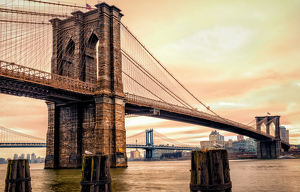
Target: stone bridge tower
{"points": [[270, 149], [86, 47]]}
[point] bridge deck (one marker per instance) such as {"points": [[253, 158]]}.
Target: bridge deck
{"points": [[17, 78]]}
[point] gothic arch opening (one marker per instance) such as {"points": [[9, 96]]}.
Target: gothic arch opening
{"points": [[93, 40], [90, 70], [263, 128], [66, 65], [272, 129], [70, 48]]}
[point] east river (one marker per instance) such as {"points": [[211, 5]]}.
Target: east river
{"points": [[170, 176]]}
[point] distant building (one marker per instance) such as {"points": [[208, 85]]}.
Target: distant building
{"points": [[22, 156], [33, 158], [173, 155], [239, 145], [240, 137], [16, 156], [284, 134], [2, 161], [228, 144], [214, 137], [157, 153], [251, 145], [135, 154], [28, 157], [131, 154]]}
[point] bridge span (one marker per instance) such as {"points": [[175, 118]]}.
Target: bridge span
{"points": [[19, 80]]}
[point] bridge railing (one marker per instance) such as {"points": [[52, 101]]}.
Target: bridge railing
{"points": [[20, 72], [142, 101]]}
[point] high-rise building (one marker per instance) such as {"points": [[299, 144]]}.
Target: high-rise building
{"points": [[287, 135], [28, 157], [284, 134], [16, 156], [33, 158], [22, 156]]}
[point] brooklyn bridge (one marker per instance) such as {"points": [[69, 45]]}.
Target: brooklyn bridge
{"points": [[92, 72]]}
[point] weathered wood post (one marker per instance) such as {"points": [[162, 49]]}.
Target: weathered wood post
{"points": [[210, 171], [96, 174], [18, 176]]}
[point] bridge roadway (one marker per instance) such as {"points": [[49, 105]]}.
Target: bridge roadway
{"points": [[170, 147], [24, 81]]}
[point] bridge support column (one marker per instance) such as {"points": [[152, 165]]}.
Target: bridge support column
{"points": [[64, 136], [91, 125], [50, 143], [149, 153], [110, 133], [268, 149]]}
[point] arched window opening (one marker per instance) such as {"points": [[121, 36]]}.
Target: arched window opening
{"points": [[70, 48], [93, 40], [263, 128], [91, 60], [272, 129]]}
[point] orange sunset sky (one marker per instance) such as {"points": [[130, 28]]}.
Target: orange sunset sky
{"points": [[242, 58]]}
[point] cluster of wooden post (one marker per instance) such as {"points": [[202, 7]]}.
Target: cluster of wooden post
{"points": [[210, 171], [96, 174], [18, 176]]}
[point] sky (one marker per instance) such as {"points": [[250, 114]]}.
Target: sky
{"points": [[239, 57]]}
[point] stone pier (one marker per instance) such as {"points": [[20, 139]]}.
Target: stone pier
{"points": [[86, 47]]}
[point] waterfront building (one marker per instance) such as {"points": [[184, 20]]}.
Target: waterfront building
{"points": [[131, 154], [135, 154], [239, 145], [214, 137], [16, 156], [228, 144], [251, 145]]}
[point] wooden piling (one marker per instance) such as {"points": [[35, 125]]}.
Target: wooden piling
{"points": [[95, 174], [18, 176], [210, 171]]}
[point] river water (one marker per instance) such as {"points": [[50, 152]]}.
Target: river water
{"points": [[170, 176]]}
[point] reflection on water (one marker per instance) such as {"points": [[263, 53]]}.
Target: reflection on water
{"points": [[246, 175]]}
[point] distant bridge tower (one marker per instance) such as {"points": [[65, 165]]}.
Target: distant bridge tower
{"points": [[97, 124], [149, 142], [270, 125]]}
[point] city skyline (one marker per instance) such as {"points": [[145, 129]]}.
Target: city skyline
{"points": [[239, 58]]}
